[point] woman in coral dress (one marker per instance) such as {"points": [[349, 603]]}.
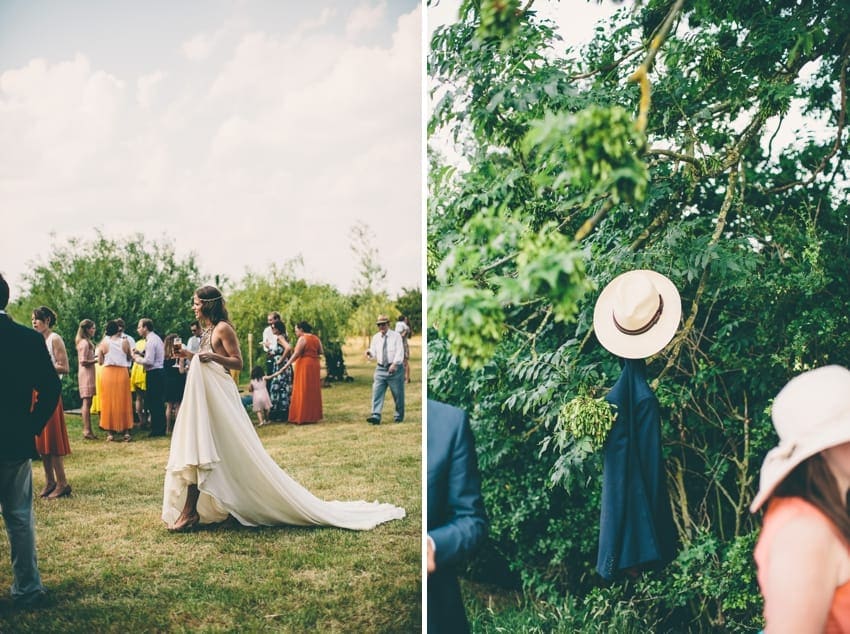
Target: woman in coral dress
{"points": [[306, 405], [52, 443]]}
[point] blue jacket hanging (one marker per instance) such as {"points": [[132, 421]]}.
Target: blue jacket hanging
{"points": [[636, 524]]}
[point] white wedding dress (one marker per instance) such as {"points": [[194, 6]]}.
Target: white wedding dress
{"points": [[215, 446]]}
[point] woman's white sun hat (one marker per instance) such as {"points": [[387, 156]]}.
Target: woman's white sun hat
{"points": [[810, 414], [637, 314]]}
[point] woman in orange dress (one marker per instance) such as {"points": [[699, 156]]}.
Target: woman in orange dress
{"points": [[52, 443], [306, 404], [86, 380], [116, 407], [803, 550]]}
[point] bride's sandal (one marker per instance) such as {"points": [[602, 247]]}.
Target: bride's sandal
{"points": [[190, 523]]}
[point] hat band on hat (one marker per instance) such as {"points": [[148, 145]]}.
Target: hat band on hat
{"points": [[646, 327]]}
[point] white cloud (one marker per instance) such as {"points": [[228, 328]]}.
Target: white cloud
{"points": [[364, 18], [59, 118], [313, 24], [199, 47], [288, 141], [146, 87]]}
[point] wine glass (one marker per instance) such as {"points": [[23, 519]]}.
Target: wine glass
{"points": [[177, 345]]}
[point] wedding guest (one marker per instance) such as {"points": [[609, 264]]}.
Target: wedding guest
{"points": [[86, 373], [803, 550], [306, 405], [243, 482], [402, 327], [194, 342], [124, 335], [116, 407], [269, 341], [280, 387], [52, 443], [387, 349], [457, 522], [20, 421], [139, 386], [95, 400], [154, 362], [175, 381], [261, 402]]}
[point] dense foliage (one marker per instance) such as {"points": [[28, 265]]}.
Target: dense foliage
{"points": [[105, 278], [320, 305], [657, 146], [102, 279]]}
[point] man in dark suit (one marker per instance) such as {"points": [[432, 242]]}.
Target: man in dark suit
{"points": [[457, 522], [27, 368]]}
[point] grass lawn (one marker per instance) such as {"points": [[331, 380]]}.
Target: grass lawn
{"points": [[111, 565]]}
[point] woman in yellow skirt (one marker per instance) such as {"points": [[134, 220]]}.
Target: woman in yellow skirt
{"points": [[139, 385]]}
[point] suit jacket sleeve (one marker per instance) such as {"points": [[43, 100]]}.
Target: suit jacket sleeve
{"points": [[467, 521], [47, 384]]}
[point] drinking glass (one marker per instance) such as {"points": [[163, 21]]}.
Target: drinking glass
{"points": [[178, 344]]}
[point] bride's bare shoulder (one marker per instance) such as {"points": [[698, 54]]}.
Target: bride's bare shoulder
{"points": [[224, 330]]}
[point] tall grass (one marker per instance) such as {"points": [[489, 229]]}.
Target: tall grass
{"points": [[494, 610], [111, 565]]}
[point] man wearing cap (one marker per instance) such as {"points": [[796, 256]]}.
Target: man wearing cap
{"points": [[387, 349]]}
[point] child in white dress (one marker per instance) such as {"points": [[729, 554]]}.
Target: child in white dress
{"points": [[262, 403]]}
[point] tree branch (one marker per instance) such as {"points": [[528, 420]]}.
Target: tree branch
{"points": [[689, 324], [836, 146], [609, 67], [641, 75], [675, 155], [594, 220]]}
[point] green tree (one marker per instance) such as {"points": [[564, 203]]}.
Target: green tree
{"points": [[654, 147], [104, 278], [369, 298], [409, 303], [371, 273], [323, 306]]}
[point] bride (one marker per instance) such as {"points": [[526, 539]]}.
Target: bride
{"points": [[218, 466]]}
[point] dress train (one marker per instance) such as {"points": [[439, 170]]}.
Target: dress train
{"points": [[215, 446]]}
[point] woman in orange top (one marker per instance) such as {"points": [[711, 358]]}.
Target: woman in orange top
{"points": [[306, 404], [803, 551]]}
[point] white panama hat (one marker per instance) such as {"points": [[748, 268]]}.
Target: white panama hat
{"points": [[637, 314], [810, 414]]}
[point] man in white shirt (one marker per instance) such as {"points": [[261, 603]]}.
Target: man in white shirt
{"points": [[153, 360], [194, 343], [387, 349]]}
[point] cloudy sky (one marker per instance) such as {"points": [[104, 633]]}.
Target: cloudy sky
{"points": [[248, 131]]}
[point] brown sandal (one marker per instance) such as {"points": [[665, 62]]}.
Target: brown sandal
{"points": [[189, 524]]}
